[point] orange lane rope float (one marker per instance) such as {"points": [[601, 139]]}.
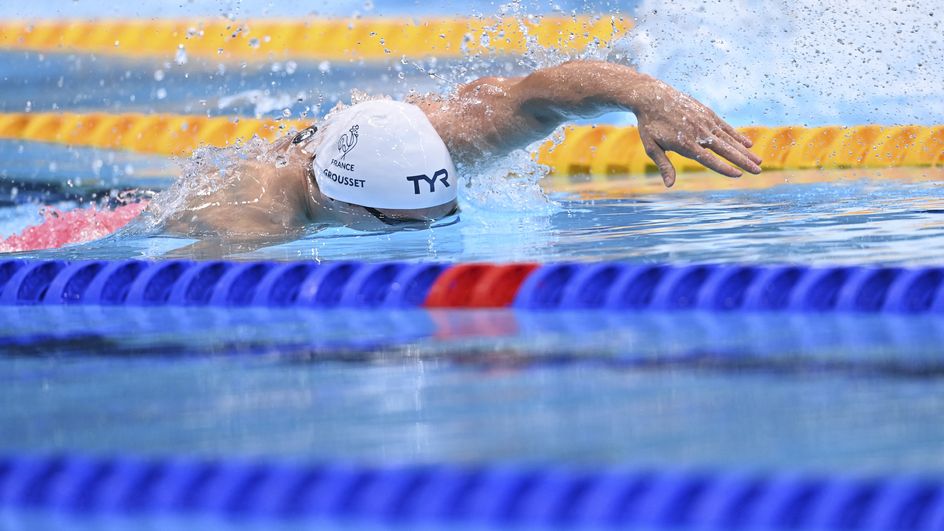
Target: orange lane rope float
{"points": [[592, 150], [321, 39]]}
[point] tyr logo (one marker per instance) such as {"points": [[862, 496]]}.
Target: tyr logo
{"points": [[440, 176]]}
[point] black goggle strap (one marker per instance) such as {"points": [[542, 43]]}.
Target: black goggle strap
{"points": [[305, 134], [387, 220]]}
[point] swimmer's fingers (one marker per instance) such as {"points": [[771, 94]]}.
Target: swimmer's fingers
{"points": [[732, 154], [729, 129], [738, 146], [702, 155], [657, 154]]}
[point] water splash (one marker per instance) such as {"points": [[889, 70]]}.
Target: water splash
{"points": [[506, 184], [207, 171], [808, 62], [510, 183], [263, 102]]}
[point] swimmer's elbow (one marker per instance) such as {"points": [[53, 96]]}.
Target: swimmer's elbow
{"points": [[487, 91]]}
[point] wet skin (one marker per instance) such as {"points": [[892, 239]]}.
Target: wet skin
{"points": [[273, 198]]}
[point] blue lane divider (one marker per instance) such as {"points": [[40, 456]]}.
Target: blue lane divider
{"points": [[563, 286], [112, 284], [217, 283], [29, 283], [280, 285], [489, 495], [152, 287], [732, 287], [237, 286]]}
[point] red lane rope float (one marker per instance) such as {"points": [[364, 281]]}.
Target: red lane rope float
{"points": [[454, 287], [498, 287], [478, 286]]}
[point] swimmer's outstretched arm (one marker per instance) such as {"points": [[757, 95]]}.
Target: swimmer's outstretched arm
{"points": [[493, 116]]}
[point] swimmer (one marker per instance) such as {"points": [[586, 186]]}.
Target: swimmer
{"points": [[386, 163]]}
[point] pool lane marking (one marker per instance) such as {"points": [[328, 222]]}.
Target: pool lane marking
{"points": [[587, 187], [549, 287], [606, 150], [336, 39], [600, 151], [488, 495]]}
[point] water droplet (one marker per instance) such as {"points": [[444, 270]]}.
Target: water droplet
{"points": [[181, 56]]}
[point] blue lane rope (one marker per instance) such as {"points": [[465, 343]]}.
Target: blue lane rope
{"points": [[608, 285], [617, 286], [217, 283], [491, 495]]}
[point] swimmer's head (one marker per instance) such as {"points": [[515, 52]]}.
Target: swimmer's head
{"points": [[384, 154]]}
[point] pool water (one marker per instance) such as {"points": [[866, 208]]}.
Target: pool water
{"points": [[845, 394], [810, 216], [819, 394], [684, 389]]}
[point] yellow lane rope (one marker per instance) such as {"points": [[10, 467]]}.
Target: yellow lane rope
{"points": [[330, 39], [156, 134], [609, 150], [617, 186], [595, 150]]}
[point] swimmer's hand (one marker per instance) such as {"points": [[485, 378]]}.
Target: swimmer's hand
{"points": [[672, 121], [493, 116]]}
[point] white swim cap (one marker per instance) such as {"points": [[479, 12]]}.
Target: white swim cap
{"points": [[384, 154]]}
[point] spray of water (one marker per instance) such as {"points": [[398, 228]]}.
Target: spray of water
{"points": [[207, 171], [493, 184], [798, 61], [509, 183], [211, 170], [767, 61]]}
